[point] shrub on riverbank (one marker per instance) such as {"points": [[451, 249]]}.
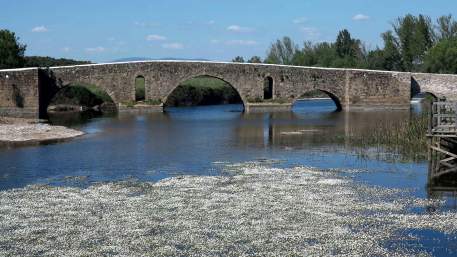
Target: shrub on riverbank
{"points": [[81, 95], [203, 91]]}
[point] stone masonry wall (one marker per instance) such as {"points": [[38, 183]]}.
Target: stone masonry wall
{"points": [[357, 88], [25, 90], [374, 89], [19, 92]]}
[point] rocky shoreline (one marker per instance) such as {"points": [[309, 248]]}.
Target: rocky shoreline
{"points": [[17, 131]]}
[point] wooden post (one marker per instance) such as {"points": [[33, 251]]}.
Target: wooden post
{"points": [[430, 118], [455, 112]]}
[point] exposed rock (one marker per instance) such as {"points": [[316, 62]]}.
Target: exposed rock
{"points": [[256, 212], [23, 131]]}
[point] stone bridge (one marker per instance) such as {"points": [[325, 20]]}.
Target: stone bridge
{"points": [[28, 92]]}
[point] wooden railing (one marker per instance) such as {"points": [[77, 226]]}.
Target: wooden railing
{"points": [[443, 119]]}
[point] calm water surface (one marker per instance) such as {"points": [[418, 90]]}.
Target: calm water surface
{"points": [[197, 140]]}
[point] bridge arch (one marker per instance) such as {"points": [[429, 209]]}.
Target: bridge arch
{"points": [[204, 75], [422, 91], [46, 100], [335, 98]]}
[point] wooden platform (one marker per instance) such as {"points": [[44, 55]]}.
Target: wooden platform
{"points": [[442, 134]]}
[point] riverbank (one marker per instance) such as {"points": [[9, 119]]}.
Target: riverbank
{"points": [[17, 131], [256, 211]]}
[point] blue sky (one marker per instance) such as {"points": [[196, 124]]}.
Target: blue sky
{"points": [[106, 30]]}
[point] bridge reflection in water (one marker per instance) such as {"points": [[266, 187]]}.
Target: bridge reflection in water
{"points": [[444, 189], [299, 130]]}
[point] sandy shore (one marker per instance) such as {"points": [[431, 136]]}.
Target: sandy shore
{"points": [[257, 212], [24, 131]]}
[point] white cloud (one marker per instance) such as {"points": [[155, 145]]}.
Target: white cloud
{"points": [[143, 24], [237, 28], [66, 49], [40, 29], [311, 32], [97, 49], [155, 38], [360, 17], [215, 41], [175, 46], [300, 20], [241, 42]]}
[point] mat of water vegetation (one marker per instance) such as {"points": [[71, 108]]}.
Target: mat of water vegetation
{"points": [[257, 211]]}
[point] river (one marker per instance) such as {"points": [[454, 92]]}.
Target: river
{"points": [[196, 140], [202, 140]]}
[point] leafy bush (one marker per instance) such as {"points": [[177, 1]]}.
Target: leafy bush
{"points": [[255, 100], [442, 58], [140, 90], [203, 91], [129, 104], [153, 101], [82, 95]]}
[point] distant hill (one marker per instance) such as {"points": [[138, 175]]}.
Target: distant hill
{"points": [[134, 59]]}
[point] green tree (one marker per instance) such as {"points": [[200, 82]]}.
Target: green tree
{"points": [[345, 44], [320, 54], [255, 59], [282, 52], [376, 60], [408, 47], [442, 58], [238, 59], [11, 50], [307, 56], [350, 51], [404, 29], [446, 27], [415, 36], [424, 34], [325, 54], [391, 52]]}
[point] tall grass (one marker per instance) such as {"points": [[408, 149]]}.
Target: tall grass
{"points": [[406, 138]]}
